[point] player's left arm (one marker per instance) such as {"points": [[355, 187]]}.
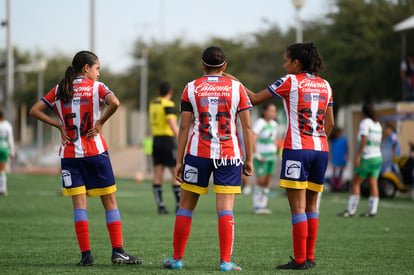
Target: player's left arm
{"points": [[182, 143], [248, 142], [329, 120], [113, 104]]}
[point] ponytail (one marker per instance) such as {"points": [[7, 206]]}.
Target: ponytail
{"points": [[65, 88], [308, 55]]}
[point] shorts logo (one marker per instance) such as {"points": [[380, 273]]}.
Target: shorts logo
{"points": [[190, 174], [293, 169], [66, 177]]}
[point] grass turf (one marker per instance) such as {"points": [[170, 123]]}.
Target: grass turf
{"points": [[37, 234]]}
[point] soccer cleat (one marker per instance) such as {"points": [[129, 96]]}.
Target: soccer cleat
{"points": [[310, 263], [346, 214], [229, 266], [173, 264], [124, 258], [162, 210], [262, 211], [293, 265], [367, 214], [87, 260]]}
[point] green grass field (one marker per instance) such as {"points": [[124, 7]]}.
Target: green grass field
{"points": [[37, 234]]}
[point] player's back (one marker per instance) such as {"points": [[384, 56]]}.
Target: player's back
{"points": [[306, 103], [215, 101]]}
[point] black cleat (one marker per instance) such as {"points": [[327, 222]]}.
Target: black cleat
{"points": [[124, 258], [293, 265], [345, 214], [162, 210], [311, 264], [367, 214], [87, 260]]}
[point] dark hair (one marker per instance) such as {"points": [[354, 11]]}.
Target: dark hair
{"points": [[308, 55], [2, 114], [164, 88], [266, 107], [369, 111], [213, 58], [65, 89]]}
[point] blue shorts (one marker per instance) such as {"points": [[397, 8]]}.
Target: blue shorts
{"points": [[303, 169], [226, 175], [91, 175]]}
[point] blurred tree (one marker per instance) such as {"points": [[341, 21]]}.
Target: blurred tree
{"points": [[360, 49]]}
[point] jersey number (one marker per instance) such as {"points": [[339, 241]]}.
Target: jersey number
{"points": [[84, 126], [205, 125], [305, 123]]}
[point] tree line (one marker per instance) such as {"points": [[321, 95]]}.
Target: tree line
{"points": [[362, 55]]}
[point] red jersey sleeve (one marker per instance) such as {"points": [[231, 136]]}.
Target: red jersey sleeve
{"points": [[281, 87], [103, 91], [50, 98], [245, 103]]}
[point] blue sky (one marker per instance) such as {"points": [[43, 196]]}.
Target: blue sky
{"points": [[61, 26]]}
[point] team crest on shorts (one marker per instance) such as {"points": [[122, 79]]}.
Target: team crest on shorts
{"points": [[66, 177], [190, 174], [293, 169]]}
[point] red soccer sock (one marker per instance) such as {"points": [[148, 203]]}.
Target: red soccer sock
{"points": [[299, 232], [312, 233], [226, 234], [115, 233], [82, 233], [182, 230]]}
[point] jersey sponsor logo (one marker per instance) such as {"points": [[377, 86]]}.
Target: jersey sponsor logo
{"points": [[293, 169], [204, 101], [218, 101], [308, 97], [190, 174], [66, 177], [77, 101], [309, 83], [208, 89]]}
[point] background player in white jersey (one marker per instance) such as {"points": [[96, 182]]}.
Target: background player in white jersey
{"points": [[86, 167], [6, 150], [214, 102], [367, 164], [308, 103], [264, 157]]}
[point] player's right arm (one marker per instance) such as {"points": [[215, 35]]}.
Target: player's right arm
{"points": [[255, 98], [248, 142], [37, 111], [182, 142]]}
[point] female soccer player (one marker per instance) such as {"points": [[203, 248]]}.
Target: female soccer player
{"points": [[308, 104], [6, 150], [264, 157], [85, 163], [214, 102], [367, 164]]}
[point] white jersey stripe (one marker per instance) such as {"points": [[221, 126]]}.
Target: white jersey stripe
{"points": [[76, 121], [195, 136], [235, 102], [215, 140], [97, 115], [294, 119]]}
